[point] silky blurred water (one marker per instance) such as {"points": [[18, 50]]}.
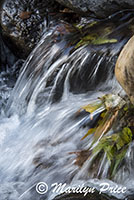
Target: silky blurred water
{"points": [[40, 125]]}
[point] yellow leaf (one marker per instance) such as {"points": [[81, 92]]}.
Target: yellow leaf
{"points": [[103, 114], [90, 131], [92, 107]]}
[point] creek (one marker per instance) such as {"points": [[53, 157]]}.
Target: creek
{"points": [[39, 123]]}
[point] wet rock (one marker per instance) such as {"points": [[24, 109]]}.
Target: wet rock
{"points": [[98, 8], [7, 58], [23, 23], [124, 70], [87, 77], [91, 196]]}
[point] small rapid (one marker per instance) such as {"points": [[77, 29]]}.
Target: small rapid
{"points": [[41, 125]]}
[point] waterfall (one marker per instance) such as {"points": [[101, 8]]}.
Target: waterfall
{"points": [[41, 127]]}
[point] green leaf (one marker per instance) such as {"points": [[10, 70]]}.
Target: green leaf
{"points": [[109, 152], [118, 159], [126, 135], [103, 41], [120, 143]]}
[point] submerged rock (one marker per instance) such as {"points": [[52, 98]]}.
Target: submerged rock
{"points": [[91, 196], [124, 70], [98, 8]]}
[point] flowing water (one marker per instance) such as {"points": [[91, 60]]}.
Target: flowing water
{"points": [[40, 126]]}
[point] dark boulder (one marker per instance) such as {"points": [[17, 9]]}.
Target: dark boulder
{"points": [[23, 23], [97, 8], [7, 58]]}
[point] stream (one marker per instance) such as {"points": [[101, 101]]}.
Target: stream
{"points": [[40, 127]]}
